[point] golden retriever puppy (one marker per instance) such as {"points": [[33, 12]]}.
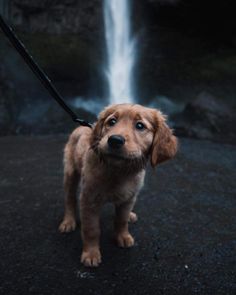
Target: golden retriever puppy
{"points": [[110, 161]]}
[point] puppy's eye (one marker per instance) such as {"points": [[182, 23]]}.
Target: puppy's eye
{"points": [[112, 122], [140, 126]]}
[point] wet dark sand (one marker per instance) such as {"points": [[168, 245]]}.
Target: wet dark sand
{"points": [[185, 236]]}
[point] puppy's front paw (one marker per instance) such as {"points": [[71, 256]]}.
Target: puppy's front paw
{"points": [[67, 225], [125, 240], [91, 257]]}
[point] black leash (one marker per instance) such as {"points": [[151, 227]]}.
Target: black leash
{"points": [[19, 46]]}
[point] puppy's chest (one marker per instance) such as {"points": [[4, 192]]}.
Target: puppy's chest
{"points": [[109, 189], [119, 193]]}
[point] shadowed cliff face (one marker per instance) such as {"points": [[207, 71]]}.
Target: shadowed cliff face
{"points": [[65, 38], [191, 45], [54, 17]]}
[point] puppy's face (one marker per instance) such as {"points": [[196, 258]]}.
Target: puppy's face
{"points": [[128, 133]]}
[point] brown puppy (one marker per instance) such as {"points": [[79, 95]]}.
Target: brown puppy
{"points": [[110, 161]]}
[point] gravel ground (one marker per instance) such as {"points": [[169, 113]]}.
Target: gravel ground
{"points": [[185, 236]]}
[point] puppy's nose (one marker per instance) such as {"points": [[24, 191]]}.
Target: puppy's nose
{"points": [[116, 141]]}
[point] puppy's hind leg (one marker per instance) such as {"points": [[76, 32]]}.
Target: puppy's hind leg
{"points": [[70, 186]]}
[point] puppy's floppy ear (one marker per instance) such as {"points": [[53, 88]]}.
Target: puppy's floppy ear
{"points": [[98, 126], [97, 129], [164, 146]]}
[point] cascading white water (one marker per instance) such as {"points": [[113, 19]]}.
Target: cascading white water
{"points": [[120, 51]]}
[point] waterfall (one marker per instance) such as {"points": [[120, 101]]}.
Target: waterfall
{"points": [[120, 46]]}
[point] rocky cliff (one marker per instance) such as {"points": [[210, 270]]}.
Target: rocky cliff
{"points": [[54, 16], [65, 37]]}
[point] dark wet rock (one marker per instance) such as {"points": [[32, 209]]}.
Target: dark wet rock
{"points": [[54, 121], [157, 3], [22, 116], [166, 105], [207, 118], [64, 37], [55, 17], [180, 55]]}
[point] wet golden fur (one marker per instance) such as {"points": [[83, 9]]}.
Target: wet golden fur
{"points": [[108, 175]]}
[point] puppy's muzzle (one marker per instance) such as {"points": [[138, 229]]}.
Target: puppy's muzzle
{"points": [[116, 141]]}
